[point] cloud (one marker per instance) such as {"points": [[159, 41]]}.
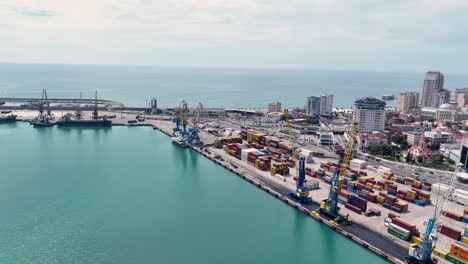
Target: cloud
{"points": [[303, 33], [33, 12]]}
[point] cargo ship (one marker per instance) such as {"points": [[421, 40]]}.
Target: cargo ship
{"points": [[388, 97], [180, 141], [41, 122], [7, 118], [79, 120]]}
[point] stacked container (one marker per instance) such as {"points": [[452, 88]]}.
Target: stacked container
{"points": [[358, 202], [450, 232], [453, 215], [459, 250], [465, 217]]}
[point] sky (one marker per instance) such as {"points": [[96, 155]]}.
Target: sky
{"points": [[382, 35]]}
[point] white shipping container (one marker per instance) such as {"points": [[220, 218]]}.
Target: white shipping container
{"points": [[312, 184], [465, 233], [399, 230]]}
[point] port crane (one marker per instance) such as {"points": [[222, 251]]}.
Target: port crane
{"points": [[302, 192], [422, 254], [42, 118], [193, 137], [180, 119], [329, 207]]}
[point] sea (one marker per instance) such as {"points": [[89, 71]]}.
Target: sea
{"points": [[213, 87], [128, 195]]}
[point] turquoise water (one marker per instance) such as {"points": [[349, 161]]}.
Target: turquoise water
{"points": [[213, 87], [128, 195]]}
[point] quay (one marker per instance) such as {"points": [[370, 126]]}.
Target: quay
{"points": [[368, 238], [370, 232]]}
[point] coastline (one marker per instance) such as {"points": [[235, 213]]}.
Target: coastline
{"points": [[308, 210]]}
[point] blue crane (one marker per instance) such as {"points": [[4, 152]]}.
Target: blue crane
{"points": [[193, 137], [180, 119], [302, 192], [422, 254], [329, 207]]}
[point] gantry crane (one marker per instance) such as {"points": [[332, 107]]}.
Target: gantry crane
{"points": [[423, 253], [329, 206], [193, 137], [180, 119], [302, 192], [42, 118]]}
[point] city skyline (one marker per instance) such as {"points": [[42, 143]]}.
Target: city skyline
{"points": [[243, 33]]}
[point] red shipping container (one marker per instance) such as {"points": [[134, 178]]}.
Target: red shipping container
{"points": [[388, 182], [371, 198], [400, 196], [353, 208], [369, 189], [453, 216], [403, 224], [371, 181], [408, 199], [401, 192], [360, 186], [426, 183], [344, 194], [382, 194], [465, 211], [450, 232], [363, 195], [415, 186], [392, 215], [308, 169], [411, 180]]}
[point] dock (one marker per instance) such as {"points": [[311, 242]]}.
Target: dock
{"points": [[364, 236]]}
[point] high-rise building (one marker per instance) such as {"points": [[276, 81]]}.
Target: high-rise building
{"points": [[274, 107], [433, 83], [407, 101], [313, 106], [326, 104], [369, 112], [461, 97], [442, 97]]}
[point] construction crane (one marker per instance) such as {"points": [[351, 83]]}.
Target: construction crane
{"points": [[329, 207], [422, 254], [302, 192], [180, 119], [193, 137]]}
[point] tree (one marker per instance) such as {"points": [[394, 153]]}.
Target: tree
{"points": [[374, 150], [386, 150], [420, 159], [438, 158], [409, 157]]}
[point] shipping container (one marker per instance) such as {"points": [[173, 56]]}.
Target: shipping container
{"points": [[450, 232]]}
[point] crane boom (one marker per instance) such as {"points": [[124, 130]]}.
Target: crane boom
{"points": [[330, 206], [423, 253], [302, 192]]}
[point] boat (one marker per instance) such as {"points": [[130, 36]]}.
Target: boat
{"points": [[388, 97], [7, 118], [79, 120], [180, 141], [41, 122], [69, 120]]}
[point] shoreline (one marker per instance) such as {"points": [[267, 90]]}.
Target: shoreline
{"points": [[305, 209], [363, 235]]}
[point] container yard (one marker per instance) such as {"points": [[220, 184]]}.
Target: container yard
{"points": [[389, 212]]}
